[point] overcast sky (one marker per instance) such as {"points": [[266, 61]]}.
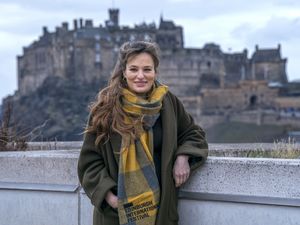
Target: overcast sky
{"points": [[234, 25]]}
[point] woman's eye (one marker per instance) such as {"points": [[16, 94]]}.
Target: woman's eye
{"points": [[148, 70], [133, 70]]}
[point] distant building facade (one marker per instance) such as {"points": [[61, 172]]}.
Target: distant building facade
{"points": [[87, 52], [220, 82]]}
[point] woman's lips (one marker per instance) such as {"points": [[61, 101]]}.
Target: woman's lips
{"points": [[140, 83]]}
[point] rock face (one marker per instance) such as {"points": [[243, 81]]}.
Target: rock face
{"points": [[57, 110]]}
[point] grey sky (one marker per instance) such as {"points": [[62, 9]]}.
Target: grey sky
{"points": [[234, 25]]}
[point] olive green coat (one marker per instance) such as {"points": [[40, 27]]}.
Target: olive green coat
{"points": [[98, 166]]}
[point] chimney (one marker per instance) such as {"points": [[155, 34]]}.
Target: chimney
{"points": [[75, 24], [245, 52], [80, 23], [89, 23], [45, 30], [65, 26], [256, 47]]}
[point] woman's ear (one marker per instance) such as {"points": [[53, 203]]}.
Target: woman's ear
{"points": [[124, 77]]}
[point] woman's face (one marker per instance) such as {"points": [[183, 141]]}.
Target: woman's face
{"points": [[140, 73]]}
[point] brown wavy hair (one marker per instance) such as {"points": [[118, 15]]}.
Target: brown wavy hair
{"points": [[107, 115]]}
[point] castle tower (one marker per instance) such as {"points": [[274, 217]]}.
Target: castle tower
{"points": [[114, 17]]}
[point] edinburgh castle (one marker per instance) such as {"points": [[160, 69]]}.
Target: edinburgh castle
{"points": [[61, 72]]}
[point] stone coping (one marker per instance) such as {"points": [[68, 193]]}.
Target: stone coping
{"points": [[276, 178], [71, 145], [248, 150], [229, 175]]}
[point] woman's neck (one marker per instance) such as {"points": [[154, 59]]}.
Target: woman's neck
{"points": [[143, 95]]}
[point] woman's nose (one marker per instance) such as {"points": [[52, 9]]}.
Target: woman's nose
{"points": [[140, 74]]}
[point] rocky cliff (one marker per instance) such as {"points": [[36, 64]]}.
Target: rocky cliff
{"points": [[58, 110]]}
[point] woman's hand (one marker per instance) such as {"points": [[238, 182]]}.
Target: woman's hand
{"points": [[181, 170], [111, 199]]}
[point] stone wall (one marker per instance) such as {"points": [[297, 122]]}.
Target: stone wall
{"points": [[41, 187]]}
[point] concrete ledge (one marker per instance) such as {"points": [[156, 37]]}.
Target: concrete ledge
{"points": [[52, 145], [221, 150], [243, 176], [239, 198], [227, 191], [35, 185], [39, 167], [38, 187]]}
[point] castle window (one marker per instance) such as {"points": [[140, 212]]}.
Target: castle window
{"points": [[147, 37], [132, 37], [253, 101], [97, 58], [116, 48], [208, 64], [97, 47]]}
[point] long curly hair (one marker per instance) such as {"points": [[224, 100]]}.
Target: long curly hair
{"points": [[107, 115]]}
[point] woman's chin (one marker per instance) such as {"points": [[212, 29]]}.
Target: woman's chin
{"points": [[141, 90]]}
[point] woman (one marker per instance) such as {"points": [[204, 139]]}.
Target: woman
{"points": [[140, 144]]}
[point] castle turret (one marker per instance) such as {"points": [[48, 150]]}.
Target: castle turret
{"points": [[267, 64], [45, 30], [113, 18], [75, 24]]}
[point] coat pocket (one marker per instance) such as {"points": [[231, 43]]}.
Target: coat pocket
{"points": [[173, 202]]}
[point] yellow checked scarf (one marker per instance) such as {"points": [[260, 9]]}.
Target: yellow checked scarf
{"points": [[138, 187]]}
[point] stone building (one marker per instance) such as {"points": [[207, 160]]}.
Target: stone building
{"points": [[88, 52], [248, 95]]}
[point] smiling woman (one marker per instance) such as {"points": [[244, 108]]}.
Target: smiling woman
{"points": [[140, 73], [139, 146]]}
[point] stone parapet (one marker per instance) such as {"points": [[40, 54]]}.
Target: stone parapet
{"points": [[242, 191], [41, 187]]}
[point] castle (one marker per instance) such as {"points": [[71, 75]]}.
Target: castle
{"points": [[208, 80], [87, 52]]}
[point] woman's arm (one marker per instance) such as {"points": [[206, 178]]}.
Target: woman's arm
{"points": [[192, 148], [190, 137]]}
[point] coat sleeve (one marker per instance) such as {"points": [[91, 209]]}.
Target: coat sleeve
{"points": [[92, 172], [190, 137]]}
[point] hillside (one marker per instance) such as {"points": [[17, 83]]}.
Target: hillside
{"points": [[60, 105]]}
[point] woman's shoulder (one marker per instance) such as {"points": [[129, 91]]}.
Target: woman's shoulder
{"points": [[173, 98], [171, 95], [174, 102]]}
